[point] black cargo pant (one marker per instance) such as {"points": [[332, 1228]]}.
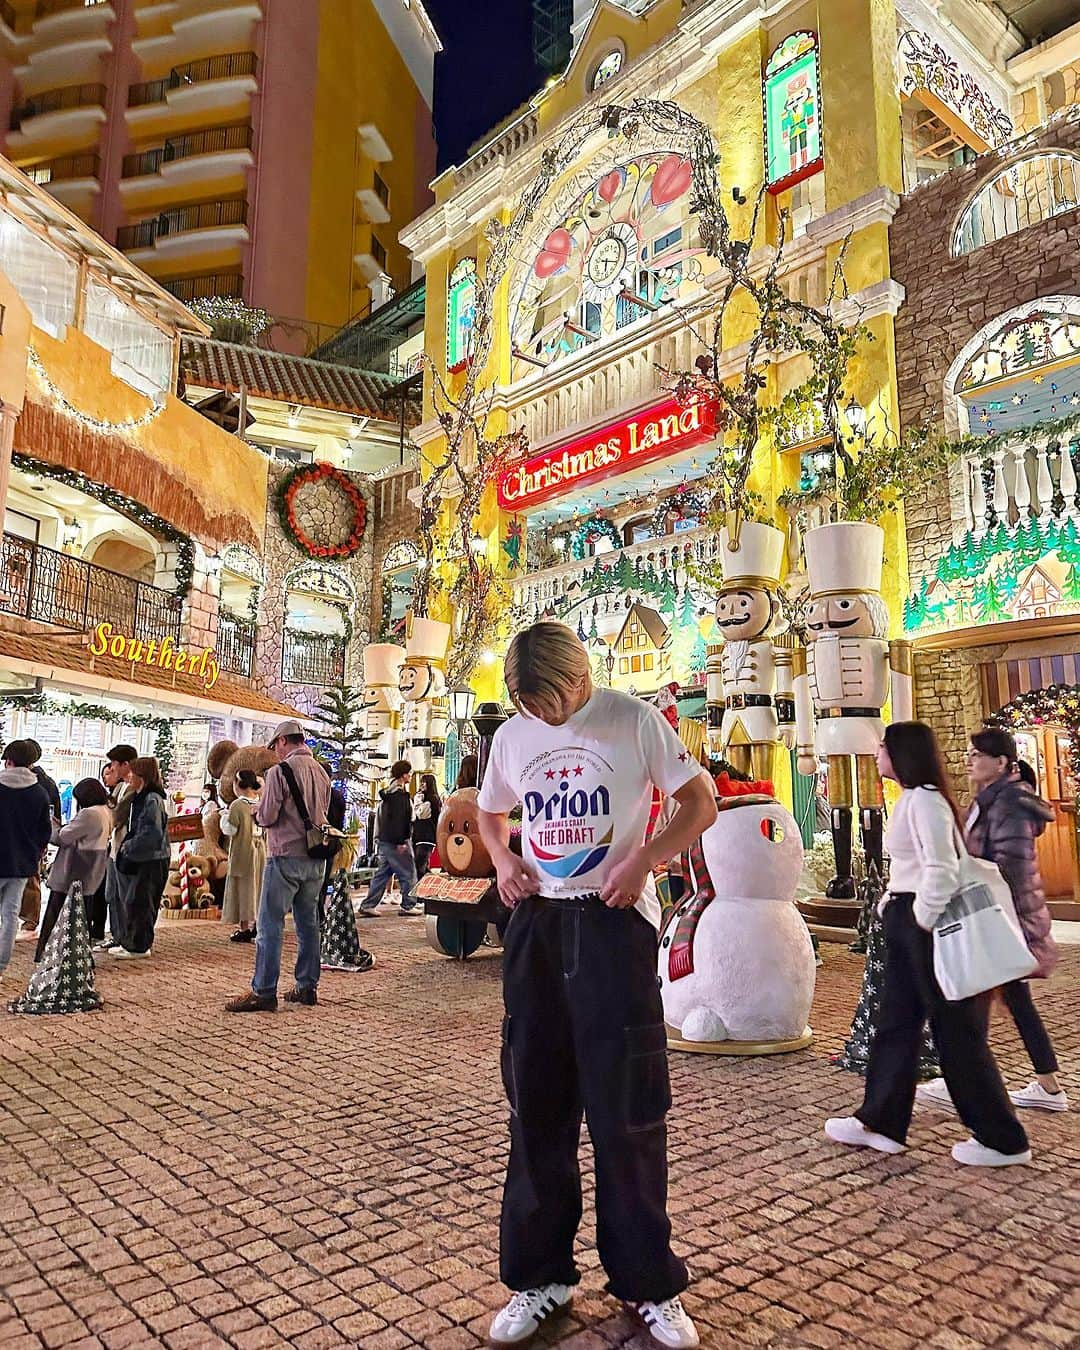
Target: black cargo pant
{"points": [[584, 1032], [910, 995]]}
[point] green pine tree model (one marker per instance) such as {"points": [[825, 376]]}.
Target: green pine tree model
{"points": [[340, 716]]}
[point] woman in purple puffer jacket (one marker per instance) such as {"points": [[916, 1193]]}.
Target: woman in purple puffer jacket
{"points": [[1005, 819]]}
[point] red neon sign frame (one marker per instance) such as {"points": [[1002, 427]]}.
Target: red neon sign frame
{"points": [[666, 429]]}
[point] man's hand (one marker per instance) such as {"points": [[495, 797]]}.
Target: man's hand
{"points": [[625, 883], [516, 881]]}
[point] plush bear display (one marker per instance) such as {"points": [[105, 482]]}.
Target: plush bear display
{"points": [[199, 896], [226, 759], [457, 838], [736, 958]]}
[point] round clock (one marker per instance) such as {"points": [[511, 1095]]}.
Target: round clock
{"points": [[608, 260]]}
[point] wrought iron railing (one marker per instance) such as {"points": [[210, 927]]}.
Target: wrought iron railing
{"points": [[65, 168], [205, 216], [232, 66], [235, 644], [46, 7], [213, 141], [40, 583], [227, 284], [59, 100], [312, 658]]}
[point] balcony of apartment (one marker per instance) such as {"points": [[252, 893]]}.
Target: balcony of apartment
{"points": [[75, 109], [46, 586], [208, 224], [236, 643], [206, 286], [196, 87], [70, 22], [194, 157], [312, 658], [69, 177]]}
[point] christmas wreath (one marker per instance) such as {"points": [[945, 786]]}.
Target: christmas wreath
{"points": [[305, 476], [685, 505], [589, 531]]}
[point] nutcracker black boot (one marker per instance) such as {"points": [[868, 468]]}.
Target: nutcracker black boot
{"points": [[842, 886]]}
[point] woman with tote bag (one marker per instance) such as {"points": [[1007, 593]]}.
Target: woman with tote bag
{"points": [[923, 843]]}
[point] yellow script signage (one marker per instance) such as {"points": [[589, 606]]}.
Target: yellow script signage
{"points": [[165, 654]]}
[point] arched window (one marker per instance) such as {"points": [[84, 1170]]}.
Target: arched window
{"points": [[1029, 191], [319, 607], [241, 587], [398, 576], [608, 67]]}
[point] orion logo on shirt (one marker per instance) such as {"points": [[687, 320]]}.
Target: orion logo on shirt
{"points": [[569, 813]]}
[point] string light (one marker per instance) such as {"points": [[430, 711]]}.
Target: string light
{"points": [[155, 410]]}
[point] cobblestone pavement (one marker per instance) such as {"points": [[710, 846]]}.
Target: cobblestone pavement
{"points": [[331, 1176]]}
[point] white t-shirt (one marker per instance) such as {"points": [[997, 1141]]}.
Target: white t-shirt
{"points": [[586, 789]]}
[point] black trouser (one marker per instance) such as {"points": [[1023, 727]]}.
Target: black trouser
{"points": [[1018, 1000], [910, 995], [142, 895], [584, 1031], [97, 910]]}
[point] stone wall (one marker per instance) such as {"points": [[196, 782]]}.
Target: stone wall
{"points": [[949, 698], [281, 558], [395, 519]]}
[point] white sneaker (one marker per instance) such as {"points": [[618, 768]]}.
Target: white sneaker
{"points": [[849, 1130], [669, 1323], [1036, 1095], [935, 1093], [26, 934], [122, 954], [973, 1154], [520, 1320]]}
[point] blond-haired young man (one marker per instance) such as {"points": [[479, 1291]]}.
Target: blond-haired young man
{"points": [[584, 1028]]}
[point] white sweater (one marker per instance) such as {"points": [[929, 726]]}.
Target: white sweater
{"points": [[922, 845]]}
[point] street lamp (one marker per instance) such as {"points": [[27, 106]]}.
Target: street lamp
{"points": [[609, 662], [462, 702], [856, 419]]}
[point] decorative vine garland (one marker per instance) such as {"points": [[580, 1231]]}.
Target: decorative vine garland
{"points": [[157, 405], [1056, 703], [684, 504], [126, 506], [165, 727], [304, 476], [591, 529]]}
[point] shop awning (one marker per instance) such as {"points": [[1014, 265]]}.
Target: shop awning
{"points": [[64, 661]]}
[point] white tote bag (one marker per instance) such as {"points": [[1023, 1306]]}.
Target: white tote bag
{"points": [[978, 941]]}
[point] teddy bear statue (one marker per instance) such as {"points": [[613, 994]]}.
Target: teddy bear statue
{"points": [[226, 759], [736, 963]]}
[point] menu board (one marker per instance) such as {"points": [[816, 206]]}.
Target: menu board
{"points": [[188, 772]]}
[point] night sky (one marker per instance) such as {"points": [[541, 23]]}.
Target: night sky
{"points": [[485, 71]]}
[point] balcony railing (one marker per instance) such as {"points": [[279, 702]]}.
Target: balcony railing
{"points": [[233, 66], [227, 284], [235, 644], [312, 658], [182, 220], [45, 8], [65, 169], [1034, 479], [673, 554], [215, 141], [59, 100], [55, 588]]}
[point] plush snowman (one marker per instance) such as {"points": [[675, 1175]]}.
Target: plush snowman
{"points": [[736, 958]]}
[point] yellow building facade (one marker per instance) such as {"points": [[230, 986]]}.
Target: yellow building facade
{"points": [[829, 111]]}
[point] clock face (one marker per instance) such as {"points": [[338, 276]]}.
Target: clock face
{"points": [[606, 261], [609, 262]]}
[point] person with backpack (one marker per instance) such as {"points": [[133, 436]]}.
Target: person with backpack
{"points": [[25, 830], [1004, 820], [291, 811]]}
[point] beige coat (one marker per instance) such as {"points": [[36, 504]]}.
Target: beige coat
{"points": [[247, 859]]}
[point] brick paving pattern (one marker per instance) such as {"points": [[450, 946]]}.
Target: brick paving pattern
{"points": [[331, 1177]]}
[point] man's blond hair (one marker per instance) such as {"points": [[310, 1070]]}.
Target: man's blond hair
{"points": [[545, 664]]}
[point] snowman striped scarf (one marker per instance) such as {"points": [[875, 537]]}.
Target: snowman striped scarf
{"points": [[683, 920]]}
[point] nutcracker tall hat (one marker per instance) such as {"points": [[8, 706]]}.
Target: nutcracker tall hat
{"points": [[843, 557], [429, 641], [755, 561], [382, 661]]}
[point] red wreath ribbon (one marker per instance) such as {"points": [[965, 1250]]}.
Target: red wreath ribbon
{"points": [[323, 473]]}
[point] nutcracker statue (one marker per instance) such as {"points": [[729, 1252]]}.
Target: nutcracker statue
{"points": [[382, 701], [842, 679], [749, 690], [422, 684]]}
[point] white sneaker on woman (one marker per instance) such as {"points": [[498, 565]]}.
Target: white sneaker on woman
{"points": [[935, 1093], [1037, 1096], [849, 1130], [520, 1320], [669, 1323], [973, 1154]]}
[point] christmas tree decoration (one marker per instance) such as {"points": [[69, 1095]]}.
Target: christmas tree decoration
{"points": [[341, 948], [855, 1054], [64, 979]]}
